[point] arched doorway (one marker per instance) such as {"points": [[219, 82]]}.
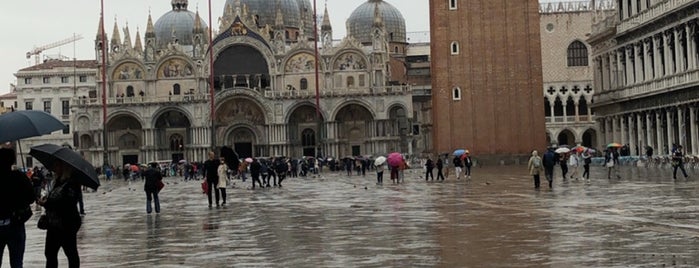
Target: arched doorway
{"points": [[243, 141], [172, 135], [303, 126], [566, 137], [125, 134], [589, 138], [354, 129]]}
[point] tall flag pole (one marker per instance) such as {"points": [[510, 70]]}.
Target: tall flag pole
{"points": [[211, 82], [105, 155], [315, 41]]}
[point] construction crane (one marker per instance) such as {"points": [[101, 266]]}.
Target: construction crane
{"points": [[36, 52]]}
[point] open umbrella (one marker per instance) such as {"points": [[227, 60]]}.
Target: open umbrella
{"points": [[394, 159], [562, 150], [26, 124], [83, 171], [379, 161], [614, 144], [459, 152], [183, 161], [249, 160]]}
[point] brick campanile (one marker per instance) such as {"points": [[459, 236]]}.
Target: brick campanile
{"points": [[486, 77]]}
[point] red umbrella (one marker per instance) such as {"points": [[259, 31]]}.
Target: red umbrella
{"points": [[395, 159]]}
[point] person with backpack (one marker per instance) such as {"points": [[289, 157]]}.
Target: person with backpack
{"points": [[549, 162], [535, 168]]}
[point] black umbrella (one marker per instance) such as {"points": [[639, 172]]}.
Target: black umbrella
{"points": [[25, 124], [83, 172]]}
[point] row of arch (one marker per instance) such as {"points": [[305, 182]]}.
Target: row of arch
{"points": [[587, 138], [568, 108]]}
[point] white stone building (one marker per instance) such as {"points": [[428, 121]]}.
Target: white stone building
{"points": [[567, 70], [53, 87], [645, 56]]}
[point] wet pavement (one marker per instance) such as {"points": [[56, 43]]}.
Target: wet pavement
{"points": [[495, 219]]}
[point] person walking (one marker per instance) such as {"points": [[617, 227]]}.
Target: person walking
{"points": [[63, 217], [457, 167], [281, 168], [587, 160], [549, 161], [429, 166], [678, 162], [379, 174], [535, 168], [211, 175], [222, 179], [255, 168], [611, 159], [16, 196], [574, 163], [563, 161], [445, 161], [468, 163], [440, 167], [152, 177]]}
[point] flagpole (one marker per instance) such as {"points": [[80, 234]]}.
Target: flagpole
{"points": [[315, 41], [211, 82], [105, 155]]}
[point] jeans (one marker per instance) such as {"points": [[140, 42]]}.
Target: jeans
{"points": [[152, 195], [548, 171], [56, 239], [681, 167], [14, 236], [586, 172], [379, 177], [213, 187], [537, 181]]}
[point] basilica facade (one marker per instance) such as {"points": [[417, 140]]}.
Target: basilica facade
{"points": [[160, 107]]}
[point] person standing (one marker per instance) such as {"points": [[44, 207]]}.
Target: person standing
{"points": [[467, 164], [281, 168], [549, 161], [574, 163], [535, 168], [379, 174], [587, 159], [153, 177], [271, 165], [445, 161], [440, 166], [16, 196], [429, 166], [63, 218], [611, 159], [222, 179], [457, 167], [211, 175], [678, 162]]}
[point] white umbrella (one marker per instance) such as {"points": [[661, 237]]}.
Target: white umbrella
{"points": [[379, 161], [562, 150]]}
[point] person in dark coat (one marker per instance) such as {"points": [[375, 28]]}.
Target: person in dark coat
{"points": [[272, 172], [16, 196], [255, 168], [63, 217], [281, 168], [152, 177], [549, 161], [440, 166], [211, 175], [678, 162], [429, 166]]}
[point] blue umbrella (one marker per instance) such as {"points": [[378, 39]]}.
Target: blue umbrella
{"points": [[25, 124], [459, 152]]}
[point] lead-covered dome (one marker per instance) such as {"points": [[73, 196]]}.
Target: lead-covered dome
{"points": [[178, 22], [293, 12], [361, 21]]}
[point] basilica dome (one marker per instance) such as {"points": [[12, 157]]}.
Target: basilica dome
{"points": [[293, 11], [178, 22], [361, 21]]}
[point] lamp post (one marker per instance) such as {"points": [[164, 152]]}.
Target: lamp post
{"points": [[105, 153], [318, 117]]}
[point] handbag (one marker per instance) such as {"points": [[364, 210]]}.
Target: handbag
{"points": [[205, 186], [160, 185], [43, 222]]}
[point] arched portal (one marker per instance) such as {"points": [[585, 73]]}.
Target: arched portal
{"points": [[172, 134], [566, 137], [243, 140], [354, 129], [241, 66], [125, 133], [303, 123], [589, 138], [398, 126], [85, 141]]}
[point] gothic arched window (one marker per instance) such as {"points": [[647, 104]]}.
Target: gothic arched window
{"points": [[454, 48], [304, 84], [577, 54], [456, 93], [176, 89]]}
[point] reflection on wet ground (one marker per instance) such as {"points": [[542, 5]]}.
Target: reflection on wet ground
{"points": [[495, 219]]}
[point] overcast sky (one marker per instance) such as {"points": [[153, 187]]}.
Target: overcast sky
{"points": [[30, 23]]}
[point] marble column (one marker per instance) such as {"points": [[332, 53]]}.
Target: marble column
{"points": [[693, 130], [644, 5], [620, 75], [657, 56], [691, 45], [678, 50], [605, 72], [639, 62], [658, 132], [634, 7], [670, 130], [681, 128], [640, 136], [629, 66], [613, 72], [649, 130], [623, 131], [669, 63], [647, 62]]}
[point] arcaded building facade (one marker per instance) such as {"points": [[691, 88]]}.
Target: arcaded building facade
{"points": [[646, 66], [487, 77], [264, 86]]}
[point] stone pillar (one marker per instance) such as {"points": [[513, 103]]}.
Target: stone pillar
{"points": [[691, 45], [681, 128], [658, 132], [624, 10], [649, 130], [613, 77], [693, 130], [577, 111], [647, 63], [565, 115], [640, 136], [657, 56], [670, 130], [678, 50], [639, 62], [623, 131], [629, 66], [634, 7], [669, 64], [620, 76], [643, 5]]}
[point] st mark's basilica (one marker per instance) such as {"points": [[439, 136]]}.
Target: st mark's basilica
{"points": [[159, 104]]}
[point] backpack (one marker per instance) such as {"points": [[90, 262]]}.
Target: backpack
{"points": [[536, 162]]}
